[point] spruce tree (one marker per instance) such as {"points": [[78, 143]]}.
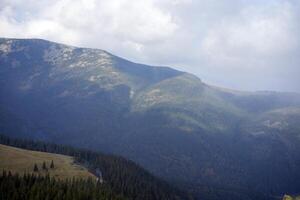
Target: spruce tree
{"points": [[44, 166], [52, 165], [35, 168]]}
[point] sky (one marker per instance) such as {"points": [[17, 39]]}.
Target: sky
{"points": [[239, 44]]}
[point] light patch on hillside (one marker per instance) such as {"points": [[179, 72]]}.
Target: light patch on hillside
{"points": [[131, 93], [6, 47], [92, 57], [57, 54], [34, 75], [275, 124], [258, 133], [155, 96], [92, 78], [65, 93], [105, 59]]}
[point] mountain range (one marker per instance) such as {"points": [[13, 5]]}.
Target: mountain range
{"points": [[198, 136]]}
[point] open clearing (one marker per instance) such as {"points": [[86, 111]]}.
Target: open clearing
{"points": [[22, 161]]}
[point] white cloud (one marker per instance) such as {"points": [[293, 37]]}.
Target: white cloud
{"points": [[253, 33], [128, 21]]}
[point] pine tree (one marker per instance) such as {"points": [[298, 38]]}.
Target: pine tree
{"points": [[44, 166], [35, 168], [52, 165]]}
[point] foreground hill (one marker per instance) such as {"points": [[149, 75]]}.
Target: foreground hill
{"points": [[112, 178], [168, 121], [22, 161]]}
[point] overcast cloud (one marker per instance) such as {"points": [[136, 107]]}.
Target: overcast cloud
{"points": [[240, 44]]}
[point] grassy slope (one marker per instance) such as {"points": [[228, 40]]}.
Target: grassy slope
{"points": [[22, 161], [288, 197]]}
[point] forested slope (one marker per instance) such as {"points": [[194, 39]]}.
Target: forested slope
{"points": [[121, 178]]}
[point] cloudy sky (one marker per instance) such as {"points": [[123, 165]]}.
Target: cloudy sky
{"points": [[240, 44]]}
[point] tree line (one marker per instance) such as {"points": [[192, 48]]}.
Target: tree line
{"points": [[33, 187], [123, 177], [44, 166]]}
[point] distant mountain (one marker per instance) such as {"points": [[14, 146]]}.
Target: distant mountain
{"points": [[170, 122]]}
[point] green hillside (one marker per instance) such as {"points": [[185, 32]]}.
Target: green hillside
{"points": [[288, 197], [22, 161]]}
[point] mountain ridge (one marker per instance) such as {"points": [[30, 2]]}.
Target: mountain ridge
{"points": [[226, 89], [168, 121]]}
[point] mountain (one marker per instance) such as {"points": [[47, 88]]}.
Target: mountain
{"points": [[170, 122]]}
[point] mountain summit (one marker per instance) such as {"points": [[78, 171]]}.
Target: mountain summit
{"points": [[166, 120]]}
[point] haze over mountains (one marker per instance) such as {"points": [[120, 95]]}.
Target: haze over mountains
{"points": [[168, 121]]}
